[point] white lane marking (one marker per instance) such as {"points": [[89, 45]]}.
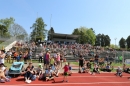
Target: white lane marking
{"points": [[70, 84], [88, 76]]}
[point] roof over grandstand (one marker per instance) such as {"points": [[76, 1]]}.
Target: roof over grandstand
{"points": [[57, 35]]}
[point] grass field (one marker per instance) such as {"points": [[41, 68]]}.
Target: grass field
{"points": [[113, 64], [75, 63]]}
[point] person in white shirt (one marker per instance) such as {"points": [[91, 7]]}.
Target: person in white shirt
{"points": [[9, 54], [40, 57], [2, 73], [2, 56], [49, 74]]}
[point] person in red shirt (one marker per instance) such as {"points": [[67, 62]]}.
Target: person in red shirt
{"points": [[66, 69]]}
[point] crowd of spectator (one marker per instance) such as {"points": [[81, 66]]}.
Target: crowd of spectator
{"points": [[53, 56]]}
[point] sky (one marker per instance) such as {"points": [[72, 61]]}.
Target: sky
{"points": [[109, 17]]}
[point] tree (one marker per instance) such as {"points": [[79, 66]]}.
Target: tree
{"points": [[3, 30], [86, 35], [51, 31], [90, 36], [107, 40], [18, 31], [92, 30], [122, 43], [128, 41], [76, 32], [39, 32], [83, 39], [114, 46], [102, 40], [5, 25], [98, 40], [7, 22]]}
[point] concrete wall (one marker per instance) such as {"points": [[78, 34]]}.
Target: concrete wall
{"points": [[10, 46]]}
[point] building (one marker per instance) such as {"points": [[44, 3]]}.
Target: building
{"points": [[62, 38]]}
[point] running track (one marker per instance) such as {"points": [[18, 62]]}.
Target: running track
{"points": [[103, 79]]}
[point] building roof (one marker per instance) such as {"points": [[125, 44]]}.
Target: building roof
{"points": [[57, 35]]}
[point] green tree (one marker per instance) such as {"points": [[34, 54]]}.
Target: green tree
{"points": [[3, 30], [90, 36], [122, 43], [86, 35], [107, 40], [76, 32], [7, 22], [39, 32], [102, 40], [113, 46], [51, 31], [92, 30], [128, 41], [98, 40], [5, 25], [83, 38]]}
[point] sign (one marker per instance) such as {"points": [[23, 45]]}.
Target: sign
{"points": [[127, 61]]}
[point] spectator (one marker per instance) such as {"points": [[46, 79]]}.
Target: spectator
{"points": [[66, 69], [95, 69], [81, 63], [39, 70], [119, 72], [29, 75], [2, 74], [9, 54], [126, 69], [40, 57], [70, 69], [96, 58], [49, 74], [2, 56]]}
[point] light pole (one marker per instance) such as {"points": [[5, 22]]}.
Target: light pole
{"points": [[115, 42]]}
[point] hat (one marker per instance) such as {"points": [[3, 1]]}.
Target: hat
{"points": [[40, 66], [66, 63]]}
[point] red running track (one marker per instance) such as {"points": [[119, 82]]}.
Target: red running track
{"points": [[103, 79]]}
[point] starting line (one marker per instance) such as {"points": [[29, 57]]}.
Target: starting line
{"points": [[69, 84]]}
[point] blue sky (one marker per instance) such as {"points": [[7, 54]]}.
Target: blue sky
{"points": [[111, 17]]}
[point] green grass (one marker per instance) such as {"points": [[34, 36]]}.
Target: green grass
{"points": [[75, 63], [9, 64], [113, 64]]}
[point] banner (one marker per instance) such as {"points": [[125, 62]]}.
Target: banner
{"points": [[127, 61]]}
